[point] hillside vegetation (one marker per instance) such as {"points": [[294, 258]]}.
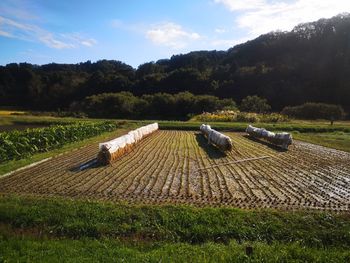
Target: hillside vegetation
{"points": [[311, 63]]}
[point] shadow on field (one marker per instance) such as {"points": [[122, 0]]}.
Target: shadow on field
{"points": [[270, 145], [212, 151], [84, 166]]}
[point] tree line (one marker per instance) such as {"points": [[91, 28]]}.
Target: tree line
{"points": [[184, 105], [312, 111], [311, 63], [150, 106]]}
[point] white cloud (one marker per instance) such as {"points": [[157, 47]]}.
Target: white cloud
{"points": [[19, 9], [171, 35], [234, 5], [5, 34], [28, 32], [78, 39], [89, 42], [50, 41], [220, 30], [260, 16]]}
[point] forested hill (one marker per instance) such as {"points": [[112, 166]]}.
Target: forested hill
{"points": [[309, 63]]}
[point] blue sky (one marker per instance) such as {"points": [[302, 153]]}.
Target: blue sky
{"points": [[138, 31]]}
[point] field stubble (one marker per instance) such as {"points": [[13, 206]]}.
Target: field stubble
{"points": [[167, 167]]}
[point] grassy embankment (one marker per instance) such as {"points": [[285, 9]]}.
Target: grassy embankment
{"points": [[35, 229], [337, 140]]}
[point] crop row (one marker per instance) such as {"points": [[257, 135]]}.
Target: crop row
{"points": [[20, 144], [168, 167]]}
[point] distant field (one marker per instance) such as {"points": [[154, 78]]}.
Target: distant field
{"points": [[11, 112], [293, 125], [166, 168], [20, 127], [21, 122], [300, 126], [28, 119]]}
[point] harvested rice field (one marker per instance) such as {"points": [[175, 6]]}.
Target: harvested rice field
{"points": [[180, 167]]}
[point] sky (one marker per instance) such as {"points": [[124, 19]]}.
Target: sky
{"points": [[140, 31]]}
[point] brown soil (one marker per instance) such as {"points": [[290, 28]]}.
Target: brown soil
{"points": [[164, 168]]}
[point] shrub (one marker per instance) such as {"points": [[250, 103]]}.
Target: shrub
{"points": [[236, 116], [247, 117], [153, 106], [74, 114], [223, 116], [312, 111], [255, 104], [273, 117]]}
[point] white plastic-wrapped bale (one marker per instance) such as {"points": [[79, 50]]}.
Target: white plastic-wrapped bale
{"points": [[113, 149], [282, 139], [216, 138]]}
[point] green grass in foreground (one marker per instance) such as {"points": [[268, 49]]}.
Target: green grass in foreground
{"points": [[56, 230], [77, 219], [336, 140], [19, 249]]}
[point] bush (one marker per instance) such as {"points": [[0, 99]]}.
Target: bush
{"points": [[273, 117], [255, 104], [312, 111], [110, 105], [222, 116], [74, 114], [154, 106], [236, 116], [247, 117]]}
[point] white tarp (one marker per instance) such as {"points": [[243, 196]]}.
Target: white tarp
{"points": [[115, 145], [282, 139], [214, 137]]}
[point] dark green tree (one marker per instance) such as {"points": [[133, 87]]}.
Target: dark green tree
{"points": [[313, 111], [254, 104]]}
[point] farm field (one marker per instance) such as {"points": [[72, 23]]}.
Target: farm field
{"points": [[167, 167], [20, 127], [20, 122]]}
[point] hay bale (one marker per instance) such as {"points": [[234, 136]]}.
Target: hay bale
{"points": [[216, 138], [104, 156], [113, 149], [282, 139]]}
